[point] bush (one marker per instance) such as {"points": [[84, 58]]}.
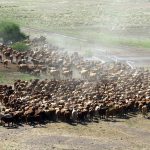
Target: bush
{"points": [[10, 32], [20, 46]]}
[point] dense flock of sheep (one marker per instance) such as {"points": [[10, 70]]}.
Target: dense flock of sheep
{"points": [[101, 91]]}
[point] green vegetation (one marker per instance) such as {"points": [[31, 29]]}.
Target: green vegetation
{"points": [[132, 42], [137, 43], [92, 20], [9, 77], [20, 46], [10, 32], [124, 41]]}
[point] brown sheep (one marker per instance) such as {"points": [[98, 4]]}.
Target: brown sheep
{"points": [[5, 62]]}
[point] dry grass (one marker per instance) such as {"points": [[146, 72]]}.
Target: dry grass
{"points": [[94, 20], [103, 135]]}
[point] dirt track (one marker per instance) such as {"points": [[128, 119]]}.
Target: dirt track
{"points": [[132, 134]]}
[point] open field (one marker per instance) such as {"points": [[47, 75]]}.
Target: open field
{"points": [[131, 134], [106, 22], [103, 28]]}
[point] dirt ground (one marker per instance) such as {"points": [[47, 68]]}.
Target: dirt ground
{"points": [[121, 134]]}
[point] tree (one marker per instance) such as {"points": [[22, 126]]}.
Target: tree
{"points": [[10, 32]]}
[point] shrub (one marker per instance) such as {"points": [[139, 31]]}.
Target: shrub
{"points": [[20, 46], [10, 32]]}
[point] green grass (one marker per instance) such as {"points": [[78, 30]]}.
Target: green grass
{"points": [[86, 18], [10, 77], [20, 46], [137, 43], [109, 39]]}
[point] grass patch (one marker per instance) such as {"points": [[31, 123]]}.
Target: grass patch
{"points": [[10, 77], [136, 43], [85, 15], [20, 46], [87, 19]]}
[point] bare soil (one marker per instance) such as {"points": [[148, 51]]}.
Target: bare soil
{"points": [[120, 134]]}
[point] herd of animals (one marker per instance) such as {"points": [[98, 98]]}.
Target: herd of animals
{"points": [[103, 91]]}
